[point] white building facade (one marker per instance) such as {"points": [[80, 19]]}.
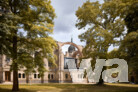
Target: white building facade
{"points": [[57, 74]]}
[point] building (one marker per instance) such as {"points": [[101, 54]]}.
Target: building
{"points": [[58, 74]]}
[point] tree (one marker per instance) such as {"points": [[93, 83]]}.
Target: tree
{"points": [[113, 54], [24, 31], [129, 45], [131, 17], [105, 26], [129, 50]]}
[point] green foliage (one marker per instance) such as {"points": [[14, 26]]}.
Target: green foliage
{"points": [[104, 27], [129, 50], [129, 45], [131, 20], [30, 22], [106, 24], [113, 54]]}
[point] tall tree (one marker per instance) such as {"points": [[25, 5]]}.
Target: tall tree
{"points": [[129, 45], [24, 35], [105, 26]]}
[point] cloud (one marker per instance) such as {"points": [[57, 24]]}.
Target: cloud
{"points": [[65, 11], [66, 20]]}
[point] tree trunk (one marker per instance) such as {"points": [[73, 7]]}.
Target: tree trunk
{"points": [[15, 81], [42, 79], [101, 82], [15, 64], [27, 78]]}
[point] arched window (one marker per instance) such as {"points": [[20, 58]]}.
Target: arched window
{"points": [[19, 75], [66, 76], [34, 75], [48, 76], [23, 75], [52, 76]]}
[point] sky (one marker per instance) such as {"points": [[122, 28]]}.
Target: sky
{"points": [[66, 19]]}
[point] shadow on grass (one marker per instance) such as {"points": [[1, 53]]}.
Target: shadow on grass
{"points": [[92, 88], [55, 87], [21, 90]]}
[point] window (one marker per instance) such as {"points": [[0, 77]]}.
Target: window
{"points": [[7, 59], [65, 63], [23, 75], [19, 75], [38, 75], [34, 75], [66, 76], [66, 60], [51, 76], [48, 76]]}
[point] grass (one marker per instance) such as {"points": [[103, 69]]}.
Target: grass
{"points": [[55, 87]]}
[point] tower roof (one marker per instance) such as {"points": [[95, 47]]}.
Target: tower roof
{"points": [[71, 47]]}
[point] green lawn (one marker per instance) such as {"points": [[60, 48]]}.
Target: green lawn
{"points": [[54, 87]]}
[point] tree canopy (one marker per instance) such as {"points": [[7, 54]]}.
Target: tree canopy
{"points": [[108, 24], [25, 26], [103, 24], [129, 45]]}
